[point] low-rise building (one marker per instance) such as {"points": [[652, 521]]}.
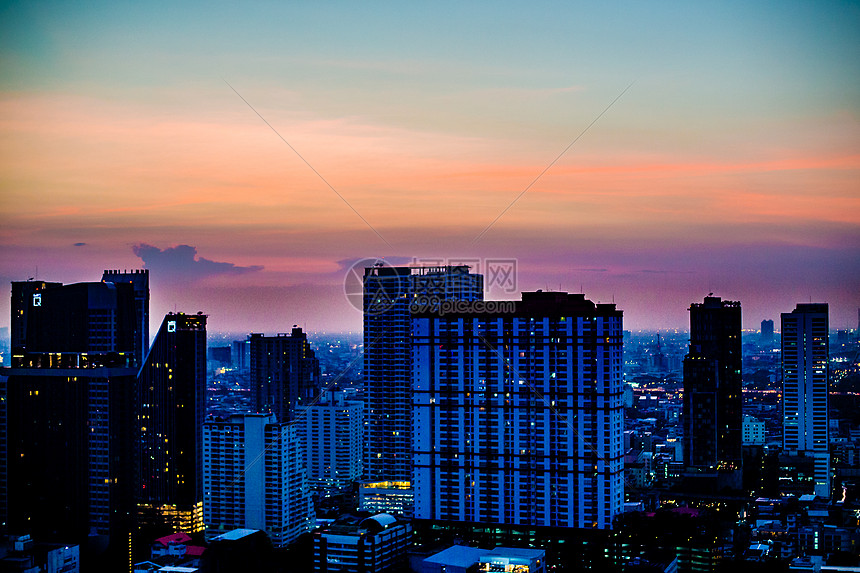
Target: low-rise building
{"points": [[372, 545]]}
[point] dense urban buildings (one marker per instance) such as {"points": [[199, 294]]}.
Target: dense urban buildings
{"points": [[390, 293], [171, 402], [331, 432], [285, 374], [254, 478], [805, 351], [712, 387], [518, 415]]}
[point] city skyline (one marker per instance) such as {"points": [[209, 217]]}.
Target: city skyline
{"points": [[729, 166]]}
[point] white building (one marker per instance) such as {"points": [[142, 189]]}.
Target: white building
{"points": [[753, 431], [254, 477], [371, 545], [332, 432], [463, 559], [805, 350], [518, 415]]}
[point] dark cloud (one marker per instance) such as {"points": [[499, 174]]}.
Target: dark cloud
{"points": [[80, 244], [182, 262]]}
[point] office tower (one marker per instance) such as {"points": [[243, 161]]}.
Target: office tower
{"points": [[254, 478], [171, 398], [518, 414], [76, 318], [388, 294], [332, 433], [285, 374], [139, 280], [767, 332], [25, 295], [712, 422], [68, 413], [805, 350]]}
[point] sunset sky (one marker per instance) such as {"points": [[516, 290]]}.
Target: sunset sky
{"points": [[731, 165]]}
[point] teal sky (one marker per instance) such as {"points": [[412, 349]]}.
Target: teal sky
{"points": [[731, 165]]}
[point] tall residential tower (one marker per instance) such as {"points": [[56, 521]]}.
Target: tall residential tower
{"points": [[285, 374], [518, 413], [805, 349], [713, 419], [390, 294]]}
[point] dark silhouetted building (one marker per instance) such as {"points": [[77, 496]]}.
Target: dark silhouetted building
{"points": [[171, 398], [68, 413], [285, 374], [805, 350], [139, 281], [518, 413], [713, 418], [766, 332]]}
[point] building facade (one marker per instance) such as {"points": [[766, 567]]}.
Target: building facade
{"points": [[391, 294], [753, 431], [67, 414], [172, 407], [254, 478], [373, 545], [285, 374], [518, 414], [805, 373], [139, 281], [712, 416], [332, 433]]}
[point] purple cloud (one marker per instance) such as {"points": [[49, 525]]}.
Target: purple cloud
{"points": [[182, 262]]}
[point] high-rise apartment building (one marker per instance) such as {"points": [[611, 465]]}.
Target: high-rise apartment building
{"points": [[285, 374], [390, 294], [139, 280], [518, 413], [805, 349], [712, 416], [172, 407], [331, 433], [254, 478], [68, 413]]}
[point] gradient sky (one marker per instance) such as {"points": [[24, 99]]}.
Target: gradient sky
{"points": [[732, 164]]}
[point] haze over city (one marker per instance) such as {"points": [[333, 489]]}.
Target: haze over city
{"points": [[730, 165]]}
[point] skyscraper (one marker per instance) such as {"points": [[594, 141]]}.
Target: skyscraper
{"points": [[172, 402], [805, 349], [68, 413], [518, 413], [285, 374], [713, 419], [331, 432], [389, 292], [139, 280], [255, 478]]}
